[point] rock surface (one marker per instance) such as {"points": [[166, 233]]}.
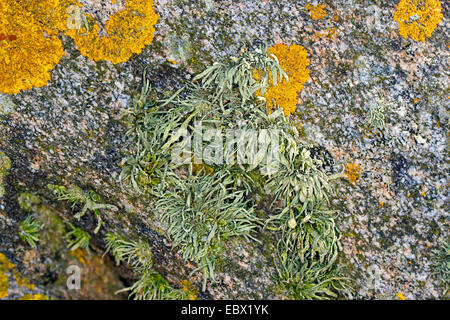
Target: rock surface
{"points": [[70, 132]]}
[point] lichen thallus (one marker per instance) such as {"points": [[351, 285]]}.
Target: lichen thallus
{"points": [[202, 205]]}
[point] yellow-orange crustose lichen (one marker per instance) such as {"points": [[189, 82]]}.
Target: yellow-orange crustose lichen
{"points": [[353, 172], [329, 33], [316, 12], [418, 18], [126, 32], [34, 297], [53, 15], [294, 61], [400, 296], [30, 47], [27, 51], [5, 266]]}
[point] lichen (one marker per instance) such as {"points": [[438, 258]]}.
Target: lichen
{"points": [[138, 255], [79, 255], [27, 51], [30, 46], [52, 231], [5, 165], [400, 296], [5, 266], [128, 32], [202, 212], [417, 19], [90, 200], [53, 15], [294, 61], [4, 285], [22, 281], [29, 231], [317, 12], [34, 297], [441, 267], [329, 33], [353, 172]]}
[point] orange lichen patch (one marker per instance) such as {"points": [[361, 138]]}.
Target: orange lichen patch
{"points": [[80, 255], [353, 172], [294, 61], [417, 19], [22, 281], [8, 266], [5, 266], [329, 33], [34, 297], [316, 12], [53, 15], [127, 32], [30, 49], [27, 52], [4, 285], [400, 296]]}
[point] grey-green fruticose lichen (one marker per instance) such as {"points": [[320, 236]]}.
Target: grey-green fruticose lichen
{"points": [[138, 255], [90, 200], [204, 203], [5, 165], [29, 231], [441, 268]]}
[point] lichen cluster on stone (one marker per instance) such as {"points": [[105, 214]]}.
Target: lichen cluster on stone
{"points": [[28, 52], [294, 61], [7, 267], [317, 12], [353, 172], [30, 46], [127, 32], [204, 208], [417, 19], [34, 297]]}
